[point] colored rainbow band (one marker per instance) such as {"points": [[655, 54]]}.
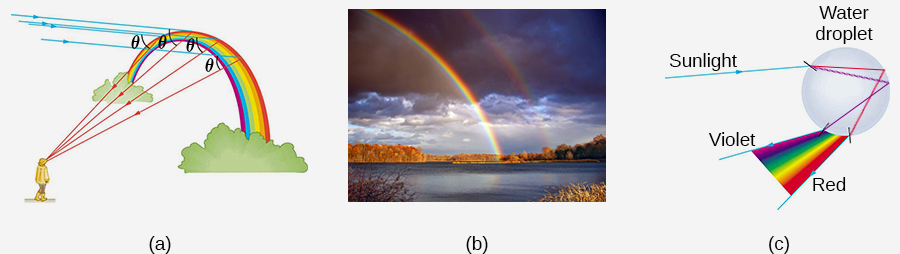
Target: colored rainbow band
{"points": [[792, 161], [251, 107], [447, 68]]}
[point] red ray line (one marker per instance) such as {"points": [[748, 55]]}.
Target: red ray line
{"points": [[186, 87], [95, 135], [55, 150], [867, 103]]}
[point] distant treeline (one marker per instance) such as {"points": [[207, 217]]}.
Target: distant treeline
{"points": [[462, 157], [367, 153], [363, 153]]}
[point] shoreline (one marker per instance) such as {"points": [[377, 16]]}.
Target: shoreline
{"points": [[516, 162], [493, 162]]}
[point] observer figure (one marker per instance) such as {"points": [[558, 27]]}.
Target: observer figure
{"points": [[42, 177]]}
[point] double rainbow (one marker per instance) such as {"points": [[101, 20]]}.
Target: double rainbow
{"points": [[508, 63], [463, 87], [251, 107], [793, 161]]}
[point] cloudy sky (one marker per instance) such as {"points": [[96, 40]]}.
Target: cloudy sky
{"points": [[400, 95]]}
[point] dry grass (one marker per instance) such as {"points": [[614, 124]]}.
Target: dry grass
{"points": [[369, 187], [581, 192]]}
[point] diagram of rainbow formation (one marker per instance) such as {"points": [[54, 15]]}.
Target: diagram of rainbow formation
{"points": [[791, 162]]}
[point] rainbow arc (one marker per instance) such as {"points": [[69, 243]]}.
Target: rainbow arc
{"points": [[251, 107]]}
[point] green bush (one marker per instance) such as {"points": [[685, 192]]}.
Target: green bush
{"points": [[229, 151]]}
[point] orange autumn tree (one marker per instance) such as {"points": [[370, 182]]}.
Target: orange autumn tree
{"points": [[377, 153]]}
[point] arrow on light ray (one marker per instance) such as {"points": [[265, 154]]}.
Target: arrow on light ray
{"points": [[751, 150]]}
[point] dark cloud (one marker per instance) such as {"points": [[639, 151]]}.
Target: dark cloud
{"points": [[498, 104], [427, 104], [380, 137], [383, 136], [374, 105], [591, 119]]}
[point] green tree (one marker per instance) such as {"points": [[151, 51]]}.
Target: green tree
{"points": [[580, 152]]}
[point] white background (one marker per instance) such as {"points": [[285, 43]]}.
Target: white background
{"points": [[669, 192]]}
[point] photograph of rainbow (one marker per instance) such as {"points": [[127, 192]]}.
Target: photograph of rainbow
{"points": [[476, 105]]}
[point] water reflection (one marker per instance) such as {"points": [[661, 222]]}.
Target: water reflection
{"points": [[489, 182]]}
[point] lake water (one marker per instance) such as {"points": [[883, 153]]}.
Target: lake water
{"points": [[508, 182]]}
